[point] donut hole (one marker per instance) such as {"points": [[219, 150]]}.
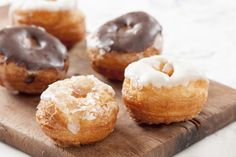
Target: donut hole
{"points": [[125, 27], [132, 28], [165, 67], [82, 90], [128, 26], [30, 42], [78, 93]]}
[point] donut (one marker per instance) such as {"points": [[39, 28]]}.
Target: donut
{"points": [[159, 89], [77, 111], [30, 59], [123, 40], [62, 18]]}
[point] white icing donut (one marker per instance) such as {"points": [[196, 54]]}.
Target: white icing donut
{"points": [[154, 70], [50, 5], [62, 93]]}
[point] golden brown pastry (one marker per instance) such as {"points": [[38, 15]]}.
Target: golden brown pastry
{"points": [[123, 40], [30, 59], [162, 90], [62, 18], [75, 111]]}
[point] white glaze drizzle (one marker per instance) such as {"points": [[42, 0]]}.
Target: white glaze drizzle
{"points": [[49, 5], [158, 43], [144, 72], [61, 93], [94, 42]]}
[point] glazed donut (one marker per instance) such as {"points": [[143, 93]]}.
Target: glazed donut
{"points": [[163, 90], [30, 59], [79, 110], [62, 18], [123, 40]]}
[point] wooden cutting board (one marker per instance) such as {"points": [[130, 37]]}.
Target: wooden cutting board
{"points": [[19, 129]]}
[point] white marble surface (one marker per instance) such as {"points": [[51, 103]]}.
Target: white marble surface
{"points": [[203, 31]]}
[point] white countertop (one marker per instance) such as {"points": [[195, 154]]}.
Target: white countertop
{"points": [[202, 31]]}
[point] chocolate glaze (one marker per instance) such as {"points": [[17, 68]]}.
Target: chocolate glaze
{"points": [[43, 52], [132, 32]]}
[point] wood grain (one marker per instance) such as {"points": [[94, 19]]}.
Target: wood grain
{"points": [[19, 129]]}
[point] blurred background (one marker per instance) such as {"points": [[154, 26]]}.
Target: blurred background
{"points": [[203, 31]]}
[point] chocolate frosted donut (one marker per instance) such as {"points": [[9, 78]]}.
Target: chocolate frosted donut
{"points": [[132, 32], [30, 59], [122, 41], [32, 47]]}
